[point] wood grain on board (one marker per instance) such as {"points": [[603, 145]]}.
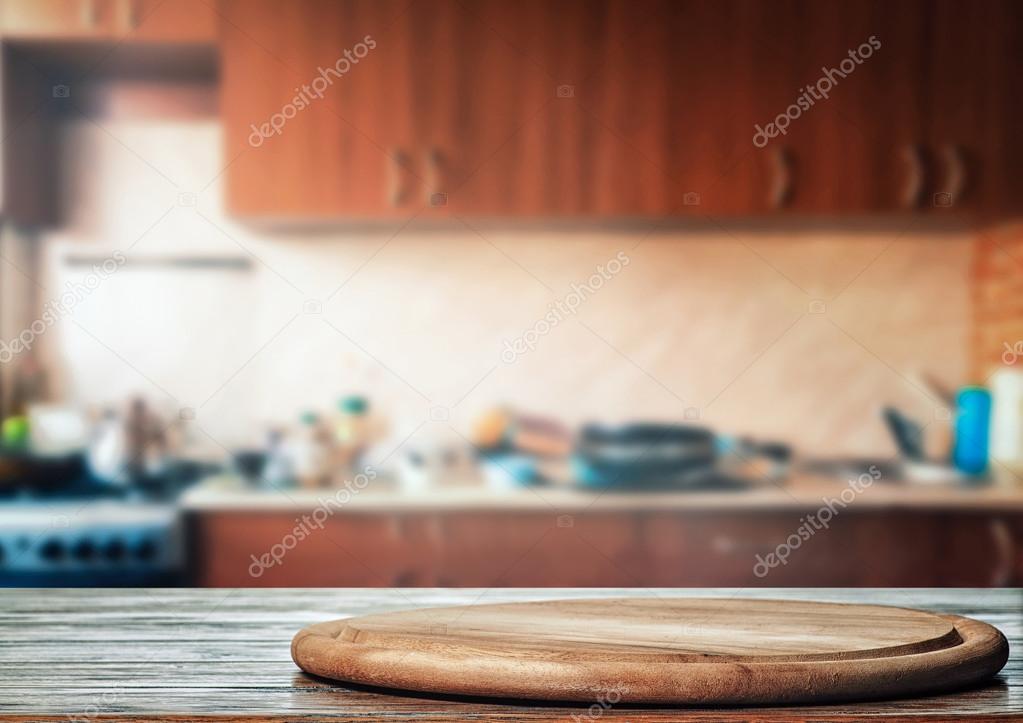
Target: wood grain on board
{"points": [[223, 655]]}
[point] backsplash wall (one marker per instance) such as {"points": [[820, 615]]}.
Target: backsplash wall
{"points": [[793, 334]]}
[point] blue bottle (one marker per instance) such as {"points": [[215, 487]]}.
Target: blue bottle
{"points": [[973, 421]]}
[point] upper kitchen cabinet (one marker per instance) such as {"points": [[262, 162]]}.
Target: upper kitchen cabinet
{"points": [[119, 20], [57, 18], [611, 108]]}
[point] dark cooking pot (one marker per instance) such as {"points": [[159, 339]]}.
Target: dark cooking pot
{"points": [[644, 455]]}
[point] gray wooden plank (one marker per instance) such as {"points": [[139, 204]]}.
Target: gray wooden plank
{"points": [[138, 655]]}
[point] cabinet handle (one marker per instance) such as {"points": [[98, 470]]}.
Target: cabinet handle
{"points": [[90, 17], [406, 578], [913, 192], [1006, 553], [725, 545], [434, 167], [396, 177], [955, 170], [131, 15], [781, 184]]}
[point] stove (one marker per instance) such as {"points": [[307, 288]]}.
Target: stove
{"points": [[90, 542]]}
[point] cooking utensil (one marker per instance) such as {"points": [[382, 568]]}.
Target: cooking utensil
{"points": [[908, 435], [644, 455], [658, 650]]}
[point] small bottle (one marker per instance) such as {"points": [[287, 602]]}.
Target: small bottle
{"points": [[351, 433], [311, 453], [278, 468], [973, 420]]}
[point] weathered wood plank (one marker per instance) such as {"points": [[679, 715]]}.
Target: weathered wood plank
{"points": [[223, 655]]}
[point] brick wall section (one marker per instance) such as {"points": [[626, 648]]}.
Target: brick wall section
{"points": [[997, 295]]}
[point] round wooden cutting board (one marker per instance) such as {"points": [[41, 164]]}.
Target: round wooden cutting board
{"points": [[658, 650]]}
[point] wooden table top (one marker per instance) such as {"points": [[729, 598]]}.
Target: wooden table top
{"points": [[223, 655]]}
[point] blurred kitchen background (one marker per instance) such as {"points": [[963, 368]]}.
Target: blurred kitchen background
{"points": [[440, 293]]}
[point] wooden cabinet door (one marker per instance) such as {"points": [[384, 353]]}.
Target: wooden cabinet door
{"points": [[57, 18], [684, 87], [981, 550], [637, 105], [277, 549], [859, 142], [516, 137], [760, 52], [999, 185], [561, 109], [493, 549], [624, 110], [782, 549], [314, 105], [168, 21], [962, 102]]}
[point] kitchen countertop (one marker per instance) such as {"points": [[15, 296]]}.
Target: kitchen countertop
{"points": [[801, 493], [223, 655]]}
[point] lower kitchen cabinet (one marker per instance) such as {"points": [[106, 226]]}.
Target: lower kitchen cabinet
{"points": [[744, 548]]}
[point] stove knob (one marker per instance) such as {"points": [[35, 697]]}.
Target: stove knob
{"points": [[113, 550], [52, 550], [145, 550], [84, 550]]}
